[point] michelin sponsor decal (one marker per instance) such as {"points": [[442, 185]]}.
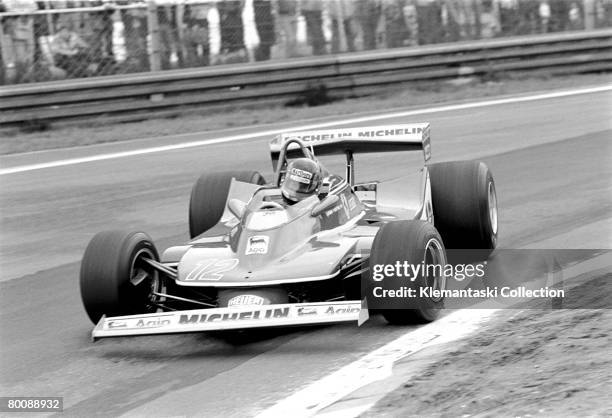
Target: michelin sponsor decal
{"points": [[270, 313], [365, 133], [411, 132], [254, 314]]}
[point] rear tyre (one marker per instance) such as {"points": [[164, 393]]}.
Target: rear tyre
{"points": [[209, 195], [114, 279], [465, 205], [414, 242]]}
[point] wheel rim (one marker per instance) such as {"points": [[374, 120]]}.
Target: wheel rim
{"points": [[145, 278], [492, 198], [434, 255]]}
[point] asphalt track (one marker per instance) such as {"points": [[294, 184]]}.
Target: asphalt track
{"points": [[552, 162]]}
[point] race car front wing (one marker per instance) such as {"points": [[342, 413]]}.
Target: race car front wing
{"points": [[216, 319]]}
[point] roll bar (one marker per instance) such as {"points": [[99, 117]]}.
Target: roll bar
{"points": [[282, 159]]}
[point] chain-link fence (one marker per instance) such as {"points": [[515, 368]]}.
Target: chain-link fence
{"points": [[47, 40]]}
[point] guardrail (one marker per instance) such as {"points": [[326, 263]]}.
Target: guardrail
{"points": [[142, 95]]}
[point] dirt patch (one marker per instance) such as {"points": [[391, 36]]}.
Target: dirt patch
{"points": [[526, 363]]}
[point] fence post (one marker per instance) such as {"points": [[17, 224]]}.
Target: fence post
{"points": [[8, 60], [3, 64], [589, 14], [343, 45], [153, 26], [49, 17]]}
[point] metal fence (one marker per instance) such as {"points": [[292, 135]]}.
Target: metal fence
{"points": [[170, 93], [48, 40]]}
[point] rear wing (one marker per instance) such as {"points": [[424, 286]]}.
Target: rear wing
{"points": [[386, 138]]}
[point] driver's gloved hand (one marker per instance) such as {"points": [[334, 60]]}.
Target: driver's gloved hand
{"points": [[324, 190]]}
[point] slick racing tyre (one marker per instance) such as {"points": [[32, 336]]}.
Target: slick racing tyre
{"points": [[465, 205], [208, 197], [415, 243], [114, 279]]}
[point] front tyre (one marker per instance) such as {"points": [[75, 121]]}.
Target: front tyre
{"points": [[209, 195], [115, 280], [407, 243]]}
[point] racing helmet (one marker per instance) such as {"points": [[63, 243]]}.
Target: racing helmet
{"points": [[302, 180]]}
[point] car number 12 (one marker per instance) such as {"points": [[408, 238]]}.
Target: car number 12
{"points": [[212, 269]]}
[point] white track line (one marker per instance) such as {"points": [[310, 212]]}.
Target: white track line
{"points": [[271, 132]]}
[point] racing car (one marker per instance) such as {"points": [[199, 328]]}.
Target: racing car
{"points": [[297, 250]]}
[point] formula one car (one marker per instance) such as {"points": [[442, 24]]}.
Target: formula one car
{"points": [[263, 256]]}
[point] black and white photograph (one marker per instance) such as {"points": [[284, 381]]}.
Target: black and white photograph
{"points": [[305, 208]]}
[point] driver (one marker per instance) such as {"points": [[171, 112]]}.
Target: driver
{"points": [[302, 180]]}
